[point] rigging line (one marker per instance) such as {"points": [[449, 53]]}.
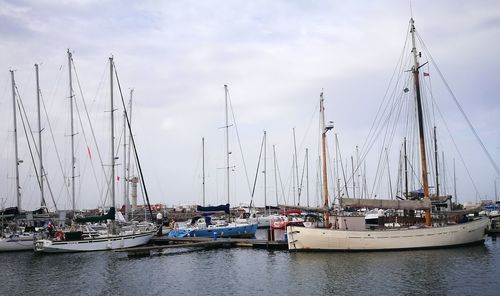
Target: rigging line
{"points": [[302, 142], [380, 126], [398, 66], [239, 142], [103, 192], [387, 134], [22, 112], [460, 108], [257, 171], [281, 183], [342, 166], [88, 118], [302, 175], [44, 173], [456, 148], [54, 142], [143, 183], [86, 143]]}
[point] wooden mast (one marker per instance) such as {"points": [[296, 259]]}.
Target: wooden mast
{"points": [[324, 129], [420, 121], [436, 162]]}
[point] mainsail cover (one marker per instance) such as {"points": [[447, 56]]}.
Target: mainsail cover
{"points": [[221, 208], [109, 215]]}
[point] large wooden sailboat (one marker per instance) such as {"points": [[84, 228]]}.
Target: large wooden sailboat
{"points": [[428, 235]]}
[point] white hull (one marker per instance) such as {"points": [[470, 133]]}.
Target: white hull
{"points": [[300, 238], [21, 243], [111, 242]]}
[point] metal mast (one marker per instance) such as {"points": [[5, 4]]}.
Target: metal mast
{"points": [[227, 142], [129, 179], [42, 201], [420, 121], [455, 184], [72, 133], [16, 152], [112, 124], [307, 175], [203, 165], [125, 159], [406, 170], [275, 174], [296, 167], [265, 173]]}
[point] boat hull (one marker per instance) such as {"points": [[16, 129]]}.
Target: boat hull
{"points": [[17, 243], [300, 238], [237, 231], [111, 242]]}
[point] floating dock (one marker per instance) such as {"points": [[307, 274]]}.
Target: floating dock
{"points": [[161, 243]]}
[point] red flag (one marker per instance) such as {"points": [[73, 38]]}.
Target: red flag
{"points": [[426, 74], [88, 151], [117, 178]]}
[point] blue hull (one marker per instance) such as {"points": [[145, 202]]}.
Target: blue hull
{"points": [[247, 231]]}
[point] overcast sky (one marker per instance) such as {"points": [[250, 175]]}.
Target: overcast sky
{"points": [[275, 56]]}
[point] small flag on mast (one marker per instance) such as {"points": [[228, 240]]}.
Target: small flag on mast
{"points": [[426, 74]]}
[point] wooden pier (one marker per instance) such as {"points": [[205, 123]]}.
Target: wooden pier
{"points": [[161, 243]]}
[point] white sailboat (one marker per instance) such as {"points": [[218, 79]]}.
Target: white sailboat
{"points": [[413, 237], [18, 240], [113, 236]]}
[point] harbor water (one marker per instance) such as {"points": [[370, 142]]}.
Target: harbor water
{"points": [[473, 270]]}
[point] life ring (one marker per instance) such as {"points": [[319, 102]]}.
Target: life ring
{"points": [[59, 235]]}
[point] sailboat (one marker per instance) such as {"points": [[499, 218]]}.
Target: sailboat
{"points": [[203, 226], [21, 240], [85, 237], [335, 238]]}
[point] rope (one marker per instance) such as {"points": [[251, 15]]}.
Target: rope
{"points": [[460, 108]]}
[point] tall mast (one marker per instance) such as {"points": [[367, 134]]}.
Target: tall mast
{"points": [[112, 124], [124, 178], [203, 165], [265, 173], [296, 167], [353, 181], [406, 170], [16, 152], [455, 183], [358, 170], [323, 150], [420, 121], [42, 201], [128, 175], [227, 142], [72, 132], [275, 174], [307, 175], [436, 162]]}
